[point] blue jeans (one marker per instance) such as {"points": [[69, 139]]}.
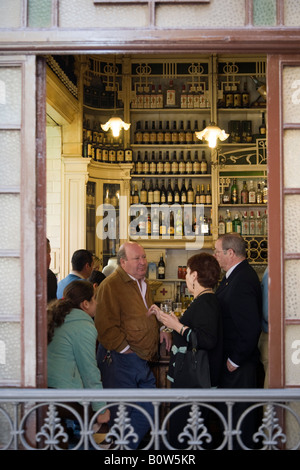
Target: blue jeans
{"points": [[128, 371]]}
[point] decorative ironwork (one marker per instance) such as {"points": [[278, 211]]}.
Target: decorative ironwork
{"points": [[52, 431]]}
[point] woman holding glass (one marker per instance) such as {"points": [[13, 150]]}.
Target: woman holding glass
{"points": [[203, 316]]}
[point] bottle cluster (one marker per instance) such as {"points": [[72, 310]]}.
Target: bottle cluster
{"points": [[175, 223], [242, 131], [170, 163], [161, 194], [245, 194], [103, 147], [166, 133], [173, 95], [231, 96], [249, 223]]}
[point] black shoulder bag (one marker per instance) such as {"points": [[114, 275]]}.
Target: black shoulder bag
{"points": [[192, 367]]}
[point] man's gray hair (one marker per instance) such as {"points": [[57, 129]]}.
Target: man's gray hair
{"points": [[234, 241]]}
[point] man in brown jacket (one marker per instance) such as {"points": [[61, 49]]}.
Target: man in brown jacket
{"points": [[128, 337]]}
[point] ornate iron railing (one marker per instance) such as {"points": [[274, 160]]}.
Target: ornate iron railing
{"points": [[31, 418]]}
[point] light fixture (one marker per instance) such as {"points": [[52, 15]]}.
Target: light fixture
{"points": [[211, 133], [115, 123]]}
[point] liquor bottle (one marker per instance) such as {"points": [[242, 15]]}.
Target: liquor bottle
{"points": [[189, 164], [149, 224], [196, 129], [183, 97], [136, 198], [244, 194], [208, 199], [156, 193], [203, 167], [245, 224], [151, 193], [140, 97], [112, 155], [260, 87], [197, 97], [228, 97], [176, 193], [138, 135], [237, 97], [262, 127], [159, 98], [163, 225], [252, 194], [196, 164], [139, 164], [161, 268], [105, 152], [98, 155], [174, 164], [143, 224], [265, 223], [175, 135], [132, 195], [153, 97], [234, 192], [226, 196], [258, 224], [160, 134], [228, 221], [163, 193], [171, 98], [245, 96], [221, 226], [265, 193], [205, 228], [197, 196], [153, 135], [202, 195], [190, 193], [170, 195], [160, 164], [167, 164], [168, 135], [181, 164], [170, 229], [252, 224], [258, 194], [178, 229], [155, 224], [146, 167], [128, 155], [152, 168], [146, 97], [146, 134], [183, 193], [143, 193], [236, 224], [189, 134], [190, 98], [181, 134]]}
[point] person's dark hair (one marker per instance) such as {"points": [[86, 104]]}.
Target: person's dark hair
{"points": [[234, 241], [74, 293], [207, 268], [80, 258], [96, 277]]}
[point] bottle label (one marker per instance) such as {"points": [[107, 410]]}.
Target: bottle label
{"points": [[171, 98], [159, 100], [167, 167], [128, 156], [161, 269], [183, 101]]}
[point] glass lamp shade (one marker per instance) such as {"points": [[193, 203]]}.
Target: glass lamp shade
{"points": [[211, 133], [115, 124]]}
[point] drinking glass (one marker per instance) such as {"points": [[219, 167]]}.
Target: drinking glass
{"points": [[177, 308]]}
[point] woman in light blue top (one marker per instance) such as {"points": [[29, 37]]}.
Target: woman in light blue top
{"points": [[72, 342]]}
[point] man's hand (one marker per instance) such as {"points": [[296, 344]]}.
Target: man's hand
{"points": [[167, 337]]}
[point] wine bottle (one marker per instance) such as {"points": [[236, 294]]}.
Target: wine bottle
{"points": [[196, 164], [260, 87], [159, 98], [262, 127], [146, 167], [160, 134], [163, 193], [168, 135], [139, 164], [138, 135], [181, 137], [190, 193], [156, 194], [203, 167], [163, 225], [152, 167], [183, 193], [244, 194], [170, 195], [189, 134], [160, 165], [143, 193], [151, 193], [183, 97], [234, 192], [176, 194], [167, 164], [174, 164], [155, 224], [181, 164], [153, 135], [175, 135], [146, 134], [189, 164], [171, 98], [208, 199]]}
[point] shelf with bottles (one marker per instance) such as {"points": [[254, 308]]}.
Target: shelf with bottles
{"points": [[245, 190]]}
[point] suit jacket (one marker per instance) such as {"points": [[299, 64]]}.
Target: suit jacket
{"points": [[241, 305]]}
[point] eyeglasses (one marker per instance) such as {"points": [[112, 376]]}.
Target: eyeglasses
{"points": [[217, 252]]}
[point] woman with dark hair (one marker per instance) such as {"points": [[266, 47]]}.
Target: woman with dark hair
{"points": [[72, 343], [203, 316]]}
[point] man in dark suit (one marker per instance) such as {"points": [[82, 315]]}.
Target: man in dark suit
{"points": [[240, 298]]}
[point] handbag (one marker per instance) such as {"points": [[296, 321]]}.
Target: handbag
{"points": [[192, 367]]}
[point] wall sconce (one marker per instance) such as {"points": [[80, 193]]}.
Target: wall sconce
{"points": [[115, 124], [211, 133]]}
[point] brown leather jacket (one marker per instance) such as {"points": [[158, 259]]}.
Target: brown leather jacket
{"points": [[121, 316]]}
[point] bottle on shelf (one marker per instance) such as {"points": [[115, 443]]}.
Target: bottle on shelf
{"points": [[208, 198], [175, 134], [181, 163], [178, 228], [138, 135], [196, 164], [234, 192], [245, 224], [145, 167], [252, 224], [170, 228], [143, 193], [176, 193], [265, 193], [262, 127], [189, 138], [139, 164], [146, 134], [181, 134], [183, 193], [245, 96], [149, 224], [167, 164], [197, 195], [244, 194], [260, 87], [160, 134], [174, 164], [155, 224], [228, 221], [190, 193], [252, 193], [203, 165], [170, 195], [237, 97], [153, 134], [221, 226], [159, 98], [258, 224], [128, 155], [190, 97], [183, 97], [146, 97], [160, 164], [153, 97], [152, 166], [202, 195], [168, 135], [189, 163], [136, 198], [171, 98], [151, 193], [228, 97], [163, 193], [162, 225], [236, 224], [156, 193], [259, 197], [161, 268]]}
